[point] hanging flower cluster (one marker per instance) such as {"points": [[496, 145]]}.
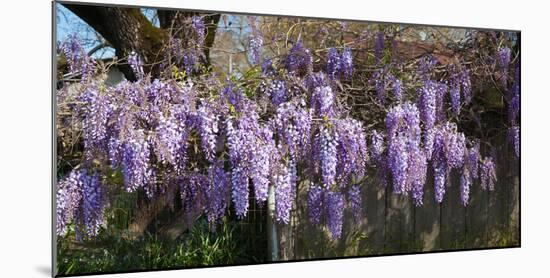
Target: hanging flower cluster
{"points": [[225, 148]]}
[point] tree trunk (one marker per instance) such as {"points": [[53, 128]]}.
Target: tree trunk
{"points": [[127, 30], [147, 212], [174, 20]]}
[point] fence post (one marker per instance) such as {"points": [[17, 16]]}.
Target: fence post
{"points": [[272, 241]]}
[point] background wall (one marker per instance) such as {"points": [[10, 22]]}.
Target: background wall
{"points": [[26, 137]]}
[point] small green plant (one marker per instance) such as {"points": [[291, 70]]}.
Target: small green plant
{"points": [[201, 246]]}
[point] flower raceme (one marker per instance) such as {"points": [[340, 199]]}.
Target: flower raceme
{"points": [[80, 198]]}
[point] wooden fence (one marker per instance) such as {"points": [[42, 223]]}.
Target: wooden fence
{"points": [[392, 224]]}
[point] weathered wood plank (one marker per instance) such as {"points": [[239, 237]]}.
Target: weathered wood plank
{"points": [[426, 219], [476, 217], [513, 201], [453, 216], [497, 224], [399, 222], [310, 238], [374, 205]]}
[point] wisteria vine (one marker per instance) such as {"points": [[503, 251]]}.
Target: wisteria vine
{"points": [[224, 149]]}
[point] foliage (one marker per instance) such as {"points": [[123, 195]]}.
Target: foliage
{"points": [[199, 247]]}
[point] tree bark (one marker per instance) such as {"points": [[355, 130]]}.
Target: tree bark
{"points": [[147, 210]]}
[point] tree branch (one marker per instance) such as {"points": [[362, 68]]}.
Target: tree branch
{"points": [[126, 29]]}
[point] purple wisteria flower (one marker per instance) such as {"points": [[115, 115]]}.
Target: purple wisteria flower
{"points": [[322, 101], [315, 203], [267, 67], [333, 62], [171, 141], [328, 144], [255, 46], [397, 87], [299, 59], [406, 159], [80, 199], [277, 91], [292, 124], [418, 167], [190, 60], [199, 27], [513, 135], [426, 66], [354, 196], [456, 145], [207, 123], [238, 154], [95, 122], [454, 92], [440, 176], [465, 85], [316, 80], [379, 45], [465, 183], [428, 103], [192, 192], [394, 118], [77, 58], [135, 161], [352, 149], [260, 163], [68, 197], [442, 155], [92, 204], [377, 146], [136, 63], [460, 87], [398, 162], [514, 105], [503, 62], [284, 191], [217, 192], [429, 140], [346, 63], [450, 145], [488, 175], [335, 213], [379, 81], [472, 159], [417, 171], [239, 191]]}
